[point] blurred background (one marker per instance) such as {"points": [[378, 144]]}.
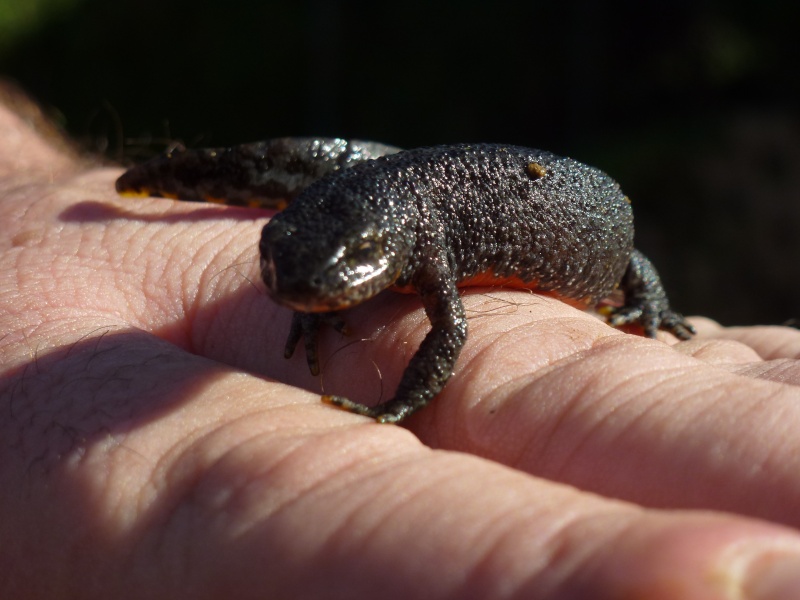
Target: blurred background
{"points": [[693, 106]]}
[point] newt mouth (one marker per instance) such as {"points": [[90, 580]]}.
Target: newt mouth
{"points": [[328, 290]]}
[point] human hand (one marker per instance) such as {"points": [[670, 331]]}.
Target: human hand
{"points": [[149, 450]]}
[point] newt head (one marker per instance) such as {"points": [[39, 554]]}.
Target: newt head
{"points": [[326, 263]]}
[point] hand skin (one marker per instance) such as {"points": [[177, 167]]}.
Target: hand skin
{"points": [[156, 444]]}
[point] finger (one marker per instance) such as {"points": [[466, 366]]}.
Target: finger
{"points": [[554, 392], [26, 157], [770, 342], [177, 477], [624, 417], [765, 352]]}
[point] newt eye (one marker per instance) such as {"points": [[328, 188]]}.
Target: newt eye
{"points": [[367, 251]]}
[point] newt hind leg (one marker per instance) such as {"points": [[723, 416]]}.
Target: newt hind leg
{"points": [[646, 302]]}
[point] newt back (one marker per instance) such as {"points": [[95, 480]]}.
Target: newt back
{"points": [[496, 214]]}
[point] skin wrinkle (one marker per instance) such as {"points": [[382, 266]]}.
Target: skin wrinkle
{"points": [[498, 343], [239, 264], [215, 428], [761, 465], [518, 398], [214, 280], [202, 275], [290, 457], [23, 200], [359, 506], [790, 348], [497, 541], [190, 308], [769, 342], [561, 539], [521, 395], [757, 464], [754, 408], [119, 262], [776, 370], [501, 532], [174, 306], [644, 414], [542, 437], [332, 487], [546, 448], [471, 361], [706, 415], [395, 511], [726, 354], [171, 246], [168, 472], [572, 534], [40, 272], [491, 544], [84, 292], [188, 494], [559, 370], [565, 413], [625, 399], [331, 481], [632, 424], [122, 267]]}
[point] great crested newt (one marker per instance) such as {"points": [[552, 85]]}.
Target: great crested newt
{"points": [[364, 217]]}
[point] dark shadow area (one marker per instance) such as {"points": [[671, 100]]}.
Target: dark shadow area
{"points": [[692, 107], [117, 378], [69, 398]]}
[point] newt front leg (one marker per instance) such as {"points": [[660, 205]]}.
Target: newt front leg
{"points": [[433, 363], [306, 325]]}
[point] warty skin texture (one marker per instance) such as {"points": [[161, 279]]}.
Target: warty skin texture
{"points": [[431, 220]]}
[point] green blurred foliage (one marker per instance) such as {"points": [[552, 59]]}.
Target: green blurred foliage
{"points": [[20, 19]]}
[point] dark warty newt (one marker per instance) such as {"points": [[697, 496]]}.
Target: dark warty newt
{"points": [[364, 217]]}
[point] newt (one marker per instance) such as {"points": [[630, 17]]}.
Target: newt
{"points": [[428, 221]]}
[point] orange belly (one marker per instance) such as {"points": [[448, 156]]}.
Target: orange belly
{"points": [[489, 279]]}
